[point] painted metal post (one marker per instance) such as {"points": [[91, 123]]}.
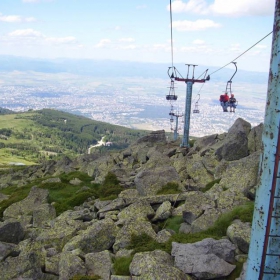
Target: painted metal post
{"points": [[188, 104], [269, 176]]}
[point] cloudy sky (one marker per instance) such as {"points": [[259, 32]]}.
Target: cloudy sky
{"points": [[207, 32]]}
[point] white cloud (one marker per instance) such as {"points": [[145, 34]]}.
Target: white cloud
{"points": [[193, 6], [117, 28], [25, 33], [225, 7], [15, 19], [103, 43], [201, 24], [31, 36], [129, 40], [243, 7], [198, 42]]}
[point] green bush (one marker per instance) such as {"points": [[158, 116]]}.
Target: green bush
{"points": [[121, 265], [111, 179]]}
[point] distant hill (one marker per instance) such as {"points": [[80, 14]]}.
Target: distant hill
{"points": [[33, 136], [115, 68], [4, 111]]}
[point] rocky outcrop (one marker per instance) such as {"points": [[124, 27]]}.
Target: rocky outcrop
{"points": [[35, 243]]}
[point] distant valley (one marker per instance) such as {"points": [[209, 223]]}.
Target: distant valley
{"points": [[127, 94]]}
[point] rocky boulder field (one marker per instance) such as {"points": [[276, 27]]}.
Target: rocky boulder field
{"points": [[214, 177]]}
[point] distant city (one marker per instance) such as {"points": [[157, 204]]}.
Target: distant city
{"points": [[133, 102]]}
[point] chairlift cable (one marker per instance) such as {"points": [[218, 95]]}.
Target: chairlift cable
{"points": [[242, 53], [171, 35]]}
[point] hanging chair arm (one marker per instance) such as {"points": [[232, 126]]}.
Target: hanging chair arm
{"points": [[234, 72]]}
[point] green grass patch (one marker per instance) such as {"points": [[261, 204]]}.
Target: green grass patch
{"points": [[121, 265], [64, 195], [169, 188], [218, 231], [172, 223], [210, 185], [143, 243]]}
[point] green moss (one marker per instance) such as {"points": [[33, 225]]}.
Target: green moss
{"points": [[169, 188], [121, 265], [210, 185]]}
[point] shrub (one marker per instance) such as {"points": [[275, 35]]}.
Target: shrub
{"points": [[111, 179]]}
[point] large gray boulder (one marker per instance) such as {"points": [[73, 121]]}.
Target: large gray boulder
{"points": [[255, 138], [70, 265], [240, 234], [155, 265], [98, 237], [11, 232], [149, 182], [153, 137], [43, 215], [140, 210], [133, 227], [207, 259], [99, 263], [235, 144], [35, 198], [27, 266], [62, 229]]}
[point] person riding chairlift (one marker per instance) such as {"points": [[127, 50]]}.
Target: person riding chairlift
{"points": [[224, 101], [232, 103]]}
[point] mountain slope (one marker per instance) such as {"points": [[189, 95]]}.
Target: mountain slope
{"points": [[35, 135]]}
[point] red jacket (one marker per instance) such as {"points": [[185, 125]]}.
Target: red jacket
{"points": [[224, 98]]}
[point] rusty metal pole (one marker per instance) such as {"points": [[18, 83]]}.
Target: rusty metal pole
{"points": [[264, 252]]}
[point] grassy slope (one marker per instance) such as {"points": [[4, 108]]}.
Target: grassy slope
{"points": [[31, 136]]}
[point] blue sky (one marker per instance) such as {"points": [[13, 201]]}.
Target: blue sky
{"points": [[205, 32]]}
